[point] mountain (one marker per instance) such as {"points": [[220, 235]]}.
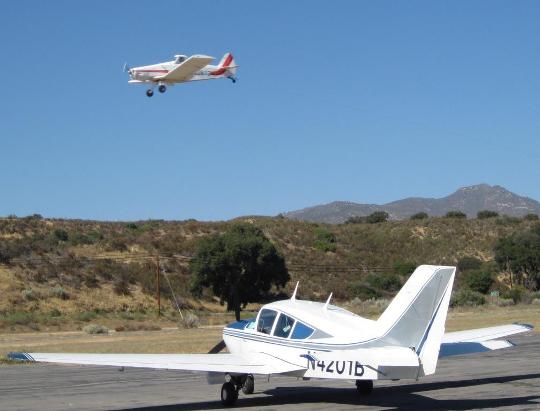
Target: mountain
{"points": [[469, 200]]}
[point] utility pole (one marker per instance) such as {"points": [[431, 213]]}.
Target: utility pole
{"points": [[158, 291]]}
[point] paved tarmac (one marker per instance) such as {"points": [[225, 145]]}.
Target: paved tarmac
{"points": [[505, 379]]}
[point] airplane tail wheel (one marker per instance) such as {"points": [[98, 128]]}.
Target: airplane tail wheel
{"points": [[149, 92], [229, 394], [364, 387], [162, 88], [249, 385]]}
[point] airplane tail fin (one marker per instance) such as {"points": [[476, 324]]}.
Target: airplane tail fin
{"points": [[228, 64], [416, 316]]}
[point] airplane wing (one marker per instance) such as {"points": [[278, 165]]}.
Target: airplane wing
{"points": [[227, 363], [480, 340], [186, 69]]}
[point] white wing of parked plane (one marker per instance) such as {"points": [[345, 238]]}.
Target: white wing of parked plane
{"points": [[480, 340], [186, 69], [252, 363]]}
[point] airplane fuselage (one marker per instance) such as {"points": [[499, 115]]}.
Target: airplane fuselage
{"points": [[149, 74]]}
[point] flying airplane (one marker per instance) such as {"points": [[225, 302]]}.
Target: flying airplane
{"points": [[181, 70], [307, 339]]}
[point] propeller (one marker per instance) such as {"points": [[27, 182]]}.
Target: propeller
{"points": [[217, 348], [126, 68]]}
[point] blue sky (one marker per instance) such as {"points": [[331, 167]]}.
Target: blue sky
{"points": [[361, 101]]}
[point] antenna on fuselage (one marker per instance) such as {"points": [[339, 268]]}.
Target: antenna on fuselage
{"points": [[293, 298], [327, 302]]}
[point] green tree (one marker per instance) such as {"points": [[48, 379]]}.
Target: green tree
{"points": [[479, 280], [240, 266], [468, 263], [419, 216], [377, 217], [520, 252]]}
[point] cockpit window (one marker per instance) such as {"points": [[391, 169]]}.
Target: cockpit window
{"points": [[180, 59], [266, 321], [301, 331], [284, 326]]}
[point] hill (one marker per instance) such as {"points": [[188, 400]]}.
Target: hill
{"points": [[469, 200], [57, 269]]}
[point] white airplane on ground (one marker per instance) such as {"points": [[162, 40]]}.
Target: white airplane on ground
{"points": [[181, 70], [314, 340]]}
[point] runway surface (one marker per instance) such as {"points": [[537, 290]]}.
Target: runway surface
{"points": [[505, 379]]}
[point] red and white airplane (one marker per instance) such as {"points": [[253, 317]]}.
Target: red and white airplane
{"points": [[181, 70]]}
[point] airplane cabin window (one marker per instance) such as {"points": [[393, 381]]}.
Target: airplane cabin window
{"points": [[301, 331], [284, 326], [266, 321]]}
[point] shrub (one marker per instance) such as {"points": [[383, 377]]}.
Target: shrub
{"points": [[189, 320], [362, 291], [479, 280], [324, 240], [419, 216], [505, 302], [96, 329], [60, 292], [61, 235], [19, 318], [486, 214], [55, 312], [404, 268], [516, 294], [377, 217], [355, 220], [30, 295], [536, 301], [467, 297], [531, 217], [455, 214], [468, 263], [388, 282]]}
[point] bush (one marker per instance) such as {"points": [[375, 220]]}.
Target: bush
{"points": [[468, 263], [362, 291], [377, 217], [388, 282], [505, 302], [481, 215], [189, 320], [516, 294], [404, 268], [455, 214], [479, 280], [30, 295], [468, 298], [19, 318], [419, 216], [96, 329], [531, 217], [61, 235], [60, 292], [324, 240]]}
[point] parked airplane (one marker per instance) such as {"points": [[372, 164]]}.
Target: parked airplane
{"points": [[182, 69], [315, 340]]}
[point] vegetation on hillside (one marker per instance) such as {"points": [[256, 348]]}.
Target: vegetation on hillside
{"points": [[76, 267]]}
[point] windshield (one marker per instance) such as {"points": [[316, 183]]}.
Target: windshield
{"points": [[266, 321], [284, 326]]}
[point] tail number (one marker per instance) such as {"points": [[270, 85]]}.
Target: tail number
{"points": [[352, 368]]}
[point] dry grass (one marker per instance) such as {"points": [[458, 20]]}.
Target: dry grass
{"points": [[200, 340]]}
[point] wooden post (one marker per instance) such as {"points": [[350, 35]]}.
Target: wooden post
{"points": [[158, 291]]}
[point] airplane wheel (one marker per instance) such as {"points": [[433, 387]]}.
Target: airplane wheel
{"points": [[162, 88], [149, 92], [249, 385], [229, 394], [364, 387]]}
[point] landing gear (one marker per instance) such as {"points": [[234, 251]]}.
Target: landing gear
{"points": [[149, 92], [229, 393], [162, 88], [232, 79], [364, 387], [249, 385]]}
